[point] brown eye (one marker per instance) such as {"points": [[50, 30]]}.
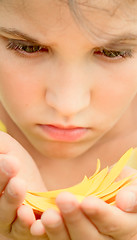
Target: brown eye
{"points": [[30, 49], [112, 53], [26, 48]]}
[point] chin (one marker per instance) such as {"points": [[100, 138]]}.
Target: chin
{"points": [[62, 155], [63, 151]]}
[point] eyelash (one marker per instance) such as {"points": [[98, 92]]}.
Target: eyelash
{"points": [[24, 48], [113, 54]]}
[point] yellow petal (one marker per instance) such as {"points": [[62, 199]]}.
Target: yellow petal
{"points": [[96, 181], [2, 127], [133, 159], [115, 171], [40, 203], [97, 169], [80, 189], [114, 186], [113, 194], [101, 184]]}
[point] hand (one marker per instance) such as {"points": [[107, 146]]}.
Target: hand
{"points": [[15, 219], [93, 218], [28, 170], [15, 164], [126, 199]]}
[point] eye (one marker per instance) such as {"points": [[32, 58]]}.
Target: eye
{"points": [[113, 53], [26, 48]]}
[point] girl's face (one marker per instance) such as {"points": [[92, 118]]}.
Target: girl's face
{"points": [[54, 75]]}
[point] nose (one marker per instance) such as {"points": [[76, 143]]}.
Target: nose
{"points": [[69, 94]]}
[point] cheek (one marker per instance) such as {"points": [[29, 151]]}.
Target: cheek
{"points": [[115, 92], [18, 88]]}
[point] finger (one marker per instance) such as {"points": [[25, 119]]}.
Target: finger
{"points": [[77, 223], [110, 220], [10, 147], [6, 141], [54, 225], [9, 167], [21, 226], [10, 200], [126, 199], [38, 229]]}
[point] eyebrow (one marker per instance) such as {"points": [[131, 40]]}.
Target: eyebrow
{"points": [[120, 41], [123, 40], [16, 33]]}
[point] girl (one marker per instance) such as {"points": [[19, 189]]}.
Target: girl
{"points": [[68, 95]]}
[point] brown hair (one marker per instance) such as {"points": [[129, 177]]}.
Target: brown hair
{"points": [[126, 10]]}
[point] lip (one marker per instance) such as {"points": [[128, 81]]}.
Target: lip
{"points": [[64, 133]]}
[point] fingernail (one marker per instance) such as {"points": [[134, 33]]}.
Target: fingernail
{"points": [[12, 191], [51, 218], [68, 207], [5, 168], [131, 201]]}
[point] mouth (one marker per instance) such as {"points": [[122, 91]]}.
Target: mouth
{"points": [[64, 133]]}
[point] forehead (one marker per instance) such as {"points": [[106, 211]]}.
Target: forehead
{"points": [[96, 16], [110, 7]]}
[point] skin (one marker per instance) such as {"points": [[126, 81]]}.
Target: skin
{"points": [[67, 85]]}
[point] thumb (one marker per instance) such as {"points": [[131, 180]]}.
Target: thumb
{"points": [[126, 199]]}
